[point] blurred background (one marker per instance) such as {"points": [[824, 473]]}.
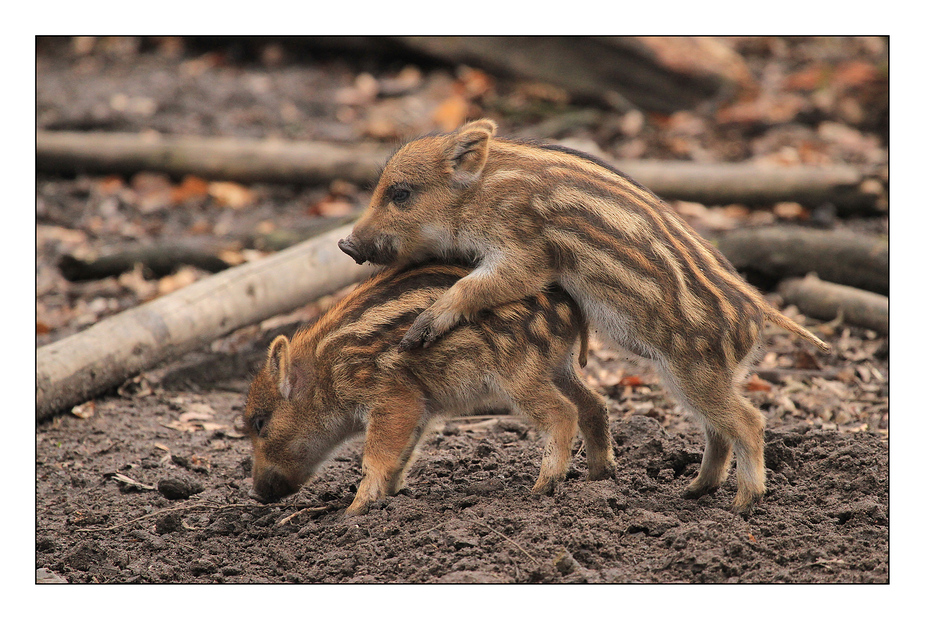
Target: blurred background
{"points": [[121, 224]]}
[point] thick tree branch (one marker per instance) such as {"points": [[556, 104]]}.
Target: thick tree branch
{"points": [[779, 252], [825, 300], [77, 368]]}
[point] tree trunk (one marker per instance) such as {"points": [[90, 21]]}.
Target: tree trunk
{"points": [[79, 367], [248, 161], [779, 252], [824, 300]]}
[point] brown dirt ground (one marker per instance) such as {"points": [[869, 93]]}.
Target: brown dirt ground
{"points": [[466, 515]]}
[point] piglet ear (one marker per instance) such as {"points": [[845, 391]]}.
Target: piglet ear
{"points": [[279, 365], [469, 150]]}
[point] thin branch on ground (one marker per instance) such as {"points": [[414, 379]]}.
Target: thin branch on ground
{"points": [[505, 537]]}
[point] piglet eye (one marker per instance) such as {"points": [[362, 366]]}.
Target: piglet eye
{"points": [[258, 423], [400, 195]]}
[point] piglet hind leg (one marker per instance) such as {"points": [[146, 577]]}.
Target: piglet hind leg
{"points": [[593, 423], [714, 467], [558, 420], [732, 425], [391, 437]]}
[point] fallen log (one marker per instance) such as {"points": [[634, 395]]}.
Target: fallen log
{"points": [[165, 257], [659, 74], [160, 259], [825, 300], [77, 368], [279, 161], [755, 184], [779, 252], [779, 375], [246, 161]]}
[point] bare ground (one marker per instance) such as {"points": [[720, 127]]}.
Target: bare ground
{"points": [[111, 487]]}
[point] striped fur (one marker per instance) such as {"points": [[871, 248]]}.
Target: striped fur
{"points": [[346, 374], [533, 214]]}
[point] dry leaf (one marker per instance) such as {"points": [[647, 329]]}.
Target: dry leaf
{"points": [[331, 207], [808, 79], [631, 381], [200, 227], [194, 416], [364, 91], [84, 411], [474, 83], [183, 277], [43, 575], [787, 404], [856, 73], [407, 80], [69, 238], [737, 211], [380, 127], [193, 425], [129, 484], [477, 427], [451, 113], [790, 211], [757, 384], [190, 188], [110, 185], [542, 91], [135, 281], [232, 257], [135, 387], [250, 255], [183, 427], [198, 66], [153, 191], [197, 417], [230, 194], [198, 411], [806, 361]]}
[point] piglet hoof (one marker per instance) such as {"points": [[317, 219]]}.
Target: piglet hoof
{"points": [[603, 473], [418, 335], [547, 487], [410, 342], [355, 509], [695, 490], [744, 503]]}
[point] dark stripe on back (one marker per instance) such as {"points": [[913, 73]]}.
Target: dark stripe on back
{"points": [[596, 160], [658, 222]]}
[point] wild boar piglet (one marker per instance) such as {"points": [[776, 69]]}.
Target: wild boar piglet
{"points": [[532, 214], [345, 375]]}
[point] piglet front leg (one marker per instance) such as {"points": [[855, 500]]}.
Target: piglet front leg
{"points": [[492, 284], [430, 325], [396, 424]]}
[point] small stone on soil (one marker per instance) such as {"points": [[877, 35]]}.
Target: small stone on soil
{"points": [[178, 488]]}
